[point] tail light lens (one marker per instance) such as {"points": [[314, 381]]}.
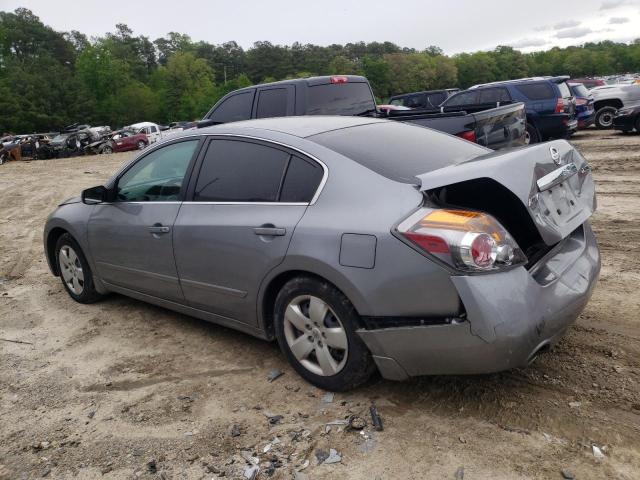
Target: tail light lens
{"points": [[560, 105], [339, 79], [464, 239], [469, 135], [581, 101]]}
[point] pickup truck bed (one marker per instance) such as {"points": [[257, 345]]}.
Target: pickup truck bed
{"points": [[488, 125]]}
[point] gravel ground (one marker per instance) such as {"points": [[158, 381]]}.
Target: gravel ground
{"points": [[122, 389]]}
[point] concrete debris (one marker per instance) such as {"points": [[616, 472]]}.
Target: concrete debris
{"points": [[327, 397], [274, 374], [597, 452], [251, 472], [334, 457], [235, 431], [567, 475]]}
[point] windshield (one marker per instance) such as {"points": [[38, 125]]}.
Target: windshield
{"points": [[340, 99]]}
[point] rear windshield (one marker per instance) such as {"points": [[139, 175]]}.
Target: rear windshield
{"points": [[340, 99], [579, 91], [398, 151]]}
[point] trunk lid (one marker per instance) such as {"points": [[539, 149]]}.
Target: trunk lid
{"points": [[552, 180]]}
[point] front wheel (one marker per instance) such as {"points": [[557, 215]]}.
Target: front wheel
{"points": [[316, 329], [604, 117], [107, 149], [75, 272], [141, 145]]}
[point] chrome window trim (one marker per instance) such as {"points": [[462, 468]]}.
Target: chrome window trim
{"points": [[323, 182]]}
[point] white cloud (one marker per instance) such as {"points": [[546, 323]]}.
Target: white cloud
{"points": [[574, 32], [528, 42], [566, 24], [618, 20], [609, 4]]}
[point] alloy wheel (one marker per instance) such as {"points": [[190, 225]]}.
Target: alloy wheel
{"points": [[71, 269], [315, 335]]}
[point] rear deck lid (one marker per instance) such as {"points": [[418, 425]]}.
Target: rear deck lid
{"points": [[552, 180]]}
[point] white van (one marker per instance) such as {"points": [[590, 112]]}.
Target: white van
{"points": [[150, 129]]}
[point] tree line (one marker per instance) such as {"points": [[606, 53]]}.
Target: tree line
{"points": [[49, 79]]}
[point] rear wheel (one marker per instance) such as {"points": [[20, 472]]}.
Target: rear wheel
{"points": [[531, 135], [107, 149], [604, 117], [316, 329], [75, 272]]}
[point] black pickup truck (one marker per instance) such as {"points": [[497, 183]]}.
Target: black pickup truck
{"points": [[488, 125]]}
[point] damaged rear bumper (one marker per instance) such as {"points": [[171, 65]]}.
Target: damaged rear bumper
{"points": [[511, 316]]}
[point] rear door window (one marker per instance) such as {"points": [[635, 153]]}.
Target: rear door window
{"points": [[536, 91], [240, 171], [272, 103], [435, 99], [565, 92], [234, 108]]}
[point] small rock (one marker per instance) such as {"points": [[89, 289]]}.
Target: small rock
{"points": [[235, 431], [567, 475], [46, 471], [327, 397], [334, 457], [321, 456], [300, 476], [251, 472], [249, 458], [275, 419], [106, 469], [91, 414], [151, 466], [597, 452], [462, 439], [274, 374], [575, 404], [188, 434], [357, 423], [459, 475], [304, 465]]}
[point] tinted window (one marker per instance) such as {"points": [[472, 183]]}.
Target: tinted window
{"points": [[415, 150], [238, 171], [415, 101], [234, 108], [564, 90], [158, 176], [339, 99], [301, 181], [580, 91], [494, 95], [537, 91], [464, 98], [272, 103], [435, 99], [153, 129]]}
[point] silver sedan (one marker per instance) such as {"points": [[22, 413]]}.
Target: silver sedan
{"points": [[359, 244]]}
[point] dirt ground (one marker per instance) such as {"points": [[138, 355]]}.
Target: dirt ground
{"points": [[122, 389]]}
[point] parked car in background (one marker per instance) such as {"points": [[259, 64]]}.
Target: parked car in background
{"points": [[261, 227], [119, 141], [627, 119], [150, 129], [610, 98], [425, 99], [549, 104], [585, 111], [589, 83], [488, 125], [68, 144]]}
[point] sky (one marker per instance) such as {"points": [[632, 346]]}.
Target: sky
{"points": [[453, 25]]}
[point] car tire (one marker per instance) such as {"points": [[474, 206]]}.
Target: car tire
{"points": [[531, 135], [604, 118], [638, 124], [4, 157], [319, 354], [107, 150], [75, 272], [141, 145]]}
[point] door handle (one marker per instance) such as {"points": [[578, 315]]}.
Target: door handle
{"points": [[270, 231], [158, 229]]}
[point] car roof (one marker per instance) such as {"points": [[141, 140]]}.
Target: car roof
{"points": [[301, 126], [558, 79], [311, 81]]}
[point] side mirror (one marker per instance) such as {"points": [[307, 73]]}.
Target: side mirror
{"points": [[95, 195]]}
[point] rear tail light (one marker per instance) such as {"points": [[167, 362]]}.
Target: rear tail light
{"points": [[560, 105], [464, 239], [581, 101], [339, 79], [469, 135]]}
